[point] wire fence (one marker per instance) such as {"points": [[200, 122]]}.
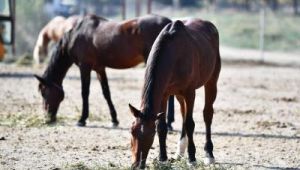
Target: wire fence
{"points": [[239, 21]]}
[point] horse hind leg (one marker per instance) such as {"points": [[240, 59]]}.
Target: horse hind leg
{"points": [[101, 75], [182, 143], [170, 113], [210, 96]]}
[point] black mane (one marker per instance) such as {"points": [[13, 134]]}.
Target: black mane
{"points": [[167, 34], [60, 61]]}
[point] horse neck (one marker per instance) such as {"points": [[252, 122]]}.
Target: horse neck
{"points": [[58, 67], [156, 81], [150, 104]]}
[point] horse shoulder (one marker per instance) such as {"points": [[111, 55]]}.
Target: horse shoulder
{"points": [[130, 27]]}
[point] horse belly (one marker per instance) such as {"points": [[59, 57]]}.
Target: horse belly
{"points": [[123, 62], [205, 72]]}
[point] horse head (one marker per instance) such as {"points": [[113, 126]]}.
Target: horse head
{"points": [[52, 95], [143, 132]]}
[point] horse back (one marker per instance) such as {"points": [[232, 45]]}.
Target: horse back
{"points": [[150, 26], [103, 43]]}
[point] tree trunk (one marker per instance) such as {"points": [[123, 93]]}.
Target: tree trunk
{"points": [[176, 4], [149, 5], [123, 3], [273, 4], [295, 4], [211, 5], [247, 5], [137, 8]]}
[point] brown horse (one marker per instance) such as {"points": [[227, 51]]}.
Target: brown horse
{"points": [[53, 31], [94, 44], [183, 58]]}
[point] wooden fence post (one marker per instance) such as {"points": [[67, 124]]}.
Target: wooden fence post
{"points": [[137, 8], [149, 5], [262, 30], [123, 8]]}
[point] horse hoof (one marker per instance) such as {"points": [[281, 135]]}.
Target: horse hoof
{"points": [[192, 164], [178, 156], [50, 121], [163, 163], [81, 124], [114, 124], [170, 128], [142, 166], [208, 160]]}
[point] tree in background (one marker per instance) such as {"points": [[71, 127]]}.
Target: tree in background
{"points": [[179, 3], [30, 19], [192, 3], [273, 4], [295, 5], [166, 2]]}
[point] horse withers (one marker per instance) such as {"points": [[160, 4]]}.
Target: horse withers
{"points": [[184, 57], [52, 31], [94, 44]]}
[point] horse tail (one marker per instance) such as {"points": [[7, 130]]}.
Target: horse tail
{"points": [[36, 57], [38, 46]]}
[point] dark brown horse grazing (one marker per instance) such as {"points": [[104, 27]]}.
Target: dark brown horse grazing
{"points": [[184, 57], [94, 44]]}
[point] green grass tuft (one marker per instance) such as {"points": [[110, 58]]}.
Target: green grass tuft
{"points": [[77, 166], [25, 120]]}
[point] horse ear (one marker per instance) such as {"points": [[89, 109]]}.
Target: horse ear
{"points": [[160, 115], [41, 80], [136, 113]]}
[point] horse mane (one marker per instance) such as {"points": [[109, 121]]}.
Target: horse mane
{"points": [[60, 61], [167, 34]]}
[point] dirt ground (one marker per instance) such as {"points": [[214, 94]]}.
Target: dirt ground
{"points": [[256, 123]]}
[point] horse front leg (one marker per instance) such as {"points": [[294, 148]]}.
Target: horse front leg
{"points": [[210, 96], [162, 131], [101, 75], [85, 73], [190, 125]]}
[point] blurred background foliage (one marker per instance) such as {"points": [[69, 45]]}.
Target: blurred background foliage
{"points": [[237, 20]]}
